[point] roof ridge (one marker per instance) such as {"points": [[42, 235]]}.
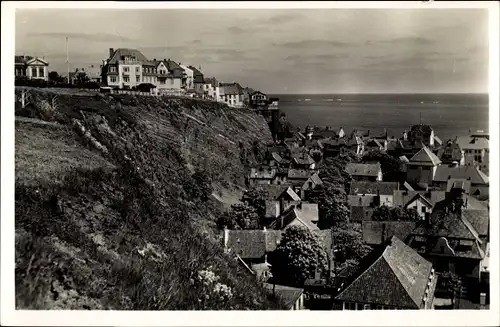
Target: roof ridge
{"points": [[471, 228]]}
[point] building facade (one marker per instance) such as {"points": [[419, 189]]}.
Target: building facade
{"points": [[31, 67]]}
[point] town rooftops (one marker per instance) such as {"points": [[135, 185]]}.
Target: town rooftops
{"points": [[252, 244], [124, 52], [443, 173], [377, 232], [478, 219], [289, 295], [473, 143], [359, 169], [174, 68], [361, 200], [297, 216], [231, 88], [397, 278], [381, 188], [299, 173], [303, 159], [401, 198], [424, 157], [459, 183], [262, 173]]}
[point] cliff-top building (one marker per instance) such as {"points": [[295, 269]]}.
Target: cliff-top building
{"points": [[31, 67]]}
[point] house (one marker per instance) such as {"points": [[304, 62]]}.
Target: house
{"points": [[170, 76], [302, 214], [210, 87], [479, 181], [198, 81], [383, 190], [231, 94], [476, 149], [281, 202], [374, 144], [398, 278], [303, 161], [31, 67], [297, 177], [93, 73], [379, 232], [261, 175], [451, 153], [364, 172], [422, 168], [422, 205], [189, 77], [311, 183], [252, 247], [126, 68], [360, 200], [421, 135], [258, 99], [292, 297]]}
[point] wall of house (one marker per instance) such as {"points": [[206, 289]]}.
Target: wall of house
{"points": [[190, 77], [41, 72], [365, 306], [420, 174], [386, 200], [130, 74], [420, 206], [113, 80]]}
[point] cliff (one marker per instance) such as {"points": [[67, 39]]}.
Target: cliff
{"points": [[117, 198]]}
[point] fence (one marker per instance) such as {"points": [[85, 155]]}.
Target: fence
{"points": [[130, 92]]}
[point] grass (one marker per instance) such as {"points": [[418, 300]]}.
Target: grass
{"points": [[82, 217]]}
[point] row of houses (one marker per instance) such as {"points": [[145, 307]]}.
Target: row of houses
{"points": [[408, 256]]}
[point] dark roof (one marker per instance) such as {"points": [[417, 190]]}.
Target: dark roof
{"points": [[425, 157], [479, 219], [397, 278], [359, 169], [295, 216], [174, 68], [231, 88], [198, 76], [128, 52], [212, 81], [420, 197], [299, 173], [426, 129], [315, 181], [252, 244], [22, 59], [377, 232], [384, 188], [288, 294], [290, 194], [303, 159], [450, 152], [402, 198], [464, 172], [459, 183], [361, 213], [473, 143], [361, 200]]}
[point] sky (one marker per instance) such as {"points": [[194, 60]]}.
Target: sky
{"points": [[279, 50]]}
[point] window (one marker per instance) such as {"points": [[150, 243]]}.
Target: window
{"points": [[41, 72], [350, 306], [125, 69], [112, 79], [126, 79], [138, 78], [424, 209], [112, 69], [366, 307], [359, 306], [33, 72], [137, 69]]}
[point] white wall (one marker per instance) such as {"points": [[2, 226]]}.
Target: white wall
{"points": [[190, 77]]}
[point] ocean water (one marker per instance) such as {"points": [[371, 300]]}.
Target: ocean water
{"points": [[449, 115]]}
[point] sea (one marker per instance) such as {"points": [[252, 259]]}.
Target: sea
{"points": [[450, 115]]}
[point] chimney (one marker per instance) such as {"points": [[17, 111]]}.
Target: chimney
{"points": [[111, 51]]}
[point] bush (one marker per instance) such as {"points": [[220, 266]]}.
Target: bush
{"points": [[145, 87]]}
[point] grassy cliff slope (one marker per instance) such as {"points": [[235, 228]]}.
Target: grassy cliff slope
{"points": [[114, 202]]}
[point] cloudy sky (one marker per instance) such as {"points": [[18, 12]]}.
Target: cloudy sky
{"points": [[280, 50]]}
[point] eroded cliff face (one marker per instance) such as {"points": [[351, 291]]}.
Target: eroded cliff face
{"points": [[117, 197]]}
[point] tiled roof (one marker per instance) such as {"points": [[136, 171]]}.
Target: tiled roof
{"points": [[289, 295], [377, 232], [361, 213], [450, 152], [212, 81], [198, 76], [402, 198], [252, 244], [473, 143], [314, 179], [464, 172], [289, 194], [425, 157], [361, 200], [422, 199], [174, 68], [299, 173], [294, 216], [479, 219], [384, 188], [231, 88], [272, 208], [475, 204], [397, 278], [407, 186], [274, 190], [127, 52], [303, 159], [460, 183], [265, 173], [358, 169]]}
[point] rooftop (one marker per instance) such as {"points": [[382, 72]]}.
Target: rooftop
{"points": [[359, 169], [383, 188], [443, 173]]}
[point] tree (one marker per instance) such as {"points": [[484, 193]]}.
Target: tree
{"points": [[199, 186], [81, 78], [391, 167], [298, 257], [256, 198], [241, 216], [145, 87], [332, 203], [384, 213], [55, 77], [349, 244]]}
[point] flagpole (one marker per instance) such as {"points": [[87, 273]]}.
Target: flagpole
{"points": [[67, 57]]}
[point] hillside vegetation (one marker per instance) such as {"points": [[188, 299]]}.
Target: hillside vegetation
{"points": [[117, 199]]}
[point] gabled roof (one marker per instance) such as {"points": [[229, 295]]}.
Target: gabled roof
{"points": [[383, 188], [127, 52], [479, 219], [231, 88], [459, 183], [295, 216], [174, 68], [443, 173], [303, 159], [290, 193], [26, 60], [198, 76], [359, 169], [473, 143], [314, 179], [425, 157], [299, 173], [290, 295], [378, 232], [397, 278], [402, 198], [420, 197]]}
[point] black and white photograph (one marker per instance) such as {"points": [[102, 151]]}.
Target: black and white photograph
{"points": [[244, 158]]}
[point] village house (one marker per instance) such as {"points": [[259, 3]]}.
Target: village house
{"points": [[303, 161], [310, 184], [231, 94], [262, 175], [374, 144], [280, 202], [383, 190], [199, 82], [258, 99], [31, 67], [169, 75], [479, 181], [210, 87], [364, 172], [292, 296], [398, 279], [422, 168], [476, 149], [301, 214], [421, 135], [189, 77], [451, 153], [127, 68]]}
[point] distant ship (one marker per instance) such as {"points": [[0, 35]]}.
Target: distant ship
{"points": [[339, 99], [307, 100]]}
